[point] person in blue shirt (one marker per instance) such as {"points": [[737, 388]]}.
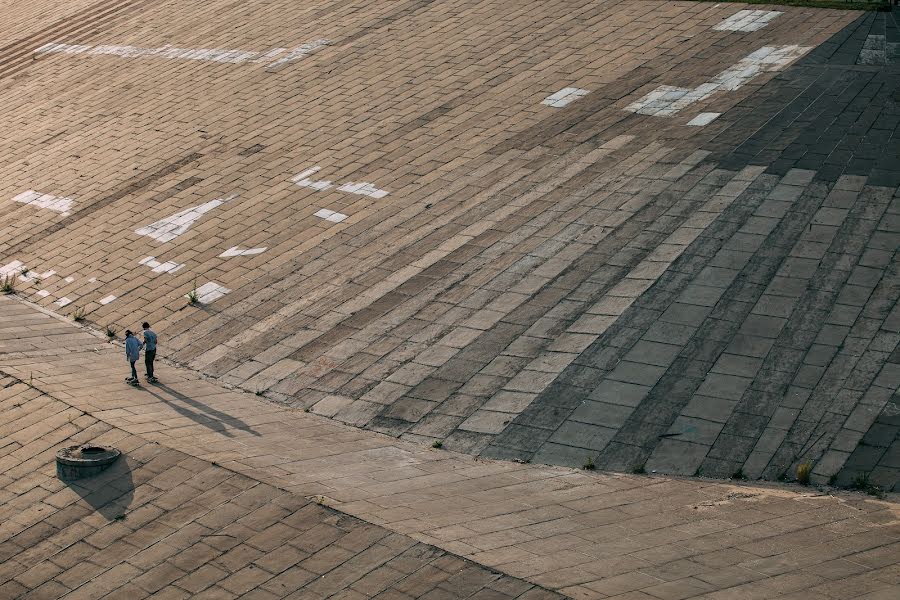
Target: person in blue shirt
{"points": [[149, 351], [132, 354]]}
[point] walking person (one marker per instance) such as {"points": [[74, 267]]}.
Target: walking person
{"points": [[132, 354], [149, 351]]}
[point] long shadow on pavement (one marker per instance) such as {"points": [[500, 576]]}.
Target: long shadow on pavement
{"points": [[213, 419], [110, 493]]}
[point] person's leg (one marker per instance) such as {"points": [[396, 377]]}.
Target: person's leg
{"points": [[149, 355], [133, 370]]}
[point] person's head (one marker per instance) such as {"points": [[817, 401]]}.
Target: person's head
{"points": [[146, 325], [128, 333]]}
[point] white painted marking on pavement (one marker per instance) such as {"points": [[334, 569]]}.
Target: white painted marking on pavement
{"points": [[747, 20], [48, 201], [363, 188], [13, 268], [208, 292], [330, 215], [158, 267], [63, 302], [564, 96], [303, 180], [298, 53], [218, 55], [236, 251], [43, 293], [166, 230], [703, 119], [69, 279], [106, 300], [667, 100]]}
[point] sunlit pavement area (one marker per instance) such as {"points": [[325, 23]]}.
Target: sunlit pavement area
{"points": [[658, 239]]}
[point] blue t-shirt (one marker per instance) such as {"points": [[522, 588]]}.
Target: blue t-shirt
{"points": [[149, 339]]}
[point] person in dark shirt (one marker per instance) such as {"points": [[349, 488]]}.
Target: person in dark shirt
{"points": [[149, 351]]}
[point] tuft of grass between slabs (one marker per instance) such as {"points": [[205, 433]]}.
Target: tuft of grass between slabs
{"points": [[879, 5]]}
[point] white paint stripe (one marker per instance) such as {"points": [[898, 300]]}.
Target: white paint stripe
{"points": [[218, 55], [298, 53], [330, 215], [208, 292], [43, 293], [106, 300], [667, 100], [236, 251], [564, 97], [747, 20], [47, 274], [168, 229], [268, 56], [703, 119], [48, 201], [69, 279], [63, 302]]}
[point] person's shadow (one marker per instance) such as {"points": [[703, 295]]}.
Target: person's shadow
{"points": [[109, 492], [207, 416]]}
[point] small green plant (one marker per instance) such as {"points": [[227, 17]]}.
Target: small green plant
{"points": [[698, 472], [739, 474], [638, 469], [78, 315], [110, 331], [120, 517], [9, 284], [259, 392], [437, 444], [589, 464], [24, 271], [803, 472], [192, 296], [860, 482], [306, 409]]}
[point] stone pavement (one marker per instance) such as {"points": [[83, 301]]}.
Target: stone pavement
{"points": [[221, 479], [162, 524], [684, 261]]}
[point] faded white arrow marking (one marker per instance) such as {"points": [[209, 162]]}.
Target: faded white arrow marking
{"points": [[166, 230], [236, 251], [667, 100]]}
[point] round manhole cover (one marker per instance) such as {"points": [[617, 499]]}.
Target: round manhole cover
{"points": [[76, 462]]}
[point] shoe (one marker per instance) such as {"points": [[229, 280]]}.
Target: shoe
{"points": [[152, 380]]}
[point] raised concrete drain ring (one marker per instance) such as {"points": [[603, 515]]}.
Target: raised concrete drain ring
{"points": [[87, 460]]}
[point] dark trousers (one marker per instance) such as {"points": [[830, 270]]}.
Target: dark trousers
{"points": [[133, 370], [149, 355]]}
